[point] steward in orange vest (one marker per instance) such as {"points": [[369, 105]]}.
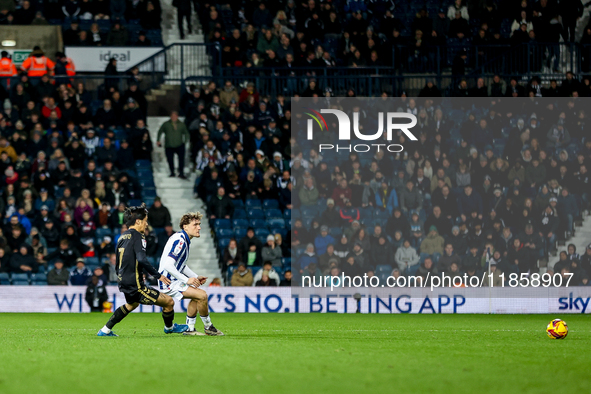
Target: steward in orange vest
{"points": [[7, 67], [37, 64]]}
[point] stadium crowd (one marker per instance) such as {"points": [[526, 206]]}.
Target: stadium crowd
{"points": [[71, 161], [374, 33], [91, 22]]}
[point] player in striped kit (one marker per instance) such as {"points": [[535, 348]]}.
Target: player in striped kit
{"points": [[184, 282]]}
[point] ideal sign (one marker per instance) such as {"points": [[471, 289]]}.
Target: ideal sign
{"points": [[95, 59]]}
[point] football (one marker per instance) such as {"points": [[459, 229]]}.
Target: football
{"points": [[557, 329]]}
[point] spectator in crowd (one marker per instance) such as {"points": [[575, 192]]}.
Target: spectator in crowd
{"points": [[23, 261], [96, 293], [158, 214], [272, 252], [220, 206], [406, 257], [242, 276], [58, 276], [80, 274], [175, 136], [271, 274]]}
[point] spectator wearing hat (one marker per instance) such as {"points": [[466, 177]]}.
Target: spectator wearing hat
{"points": [[323, 240], [44, 216], [58, 275], [330, 217], [44, 201], [272, 252], [80, 274], [307, 258], [242, 276]]}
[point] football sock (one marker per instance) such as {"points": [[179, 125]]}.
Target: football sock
{"points": [[206, 321], [191, 322], [168, 318], [119, 314]]}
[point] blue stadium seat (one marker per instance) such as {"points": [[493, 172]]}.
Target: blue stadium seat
{"points": [[134, 203], [143, 172], [286, 261], [335, 232], [223, 243], [149, 192], [103, 232], [275, 223], [39, 278], [238, 203], [262, 232], [309, 211], [143, 164], [268, 204], [251, 203], [263, 239], [224, 232], [273, 213], [20, 280], [287, 214], [255, 214], [255, 269], [239, 214], [288, 223], [147, 183], [240, 223], [295, 213], [4, 278], [365, 213], [281, 231], [149, 201], [230, 272], [258, 223], [222, 223], [239, 232], [91, 261]]}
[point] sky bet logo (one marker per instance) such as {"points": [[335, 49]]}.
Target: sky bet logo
{"points": [[570, 303], [345, 130]]}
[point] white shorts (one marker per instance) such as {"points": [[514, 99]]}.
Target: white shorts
{"points": [[175, 289]]}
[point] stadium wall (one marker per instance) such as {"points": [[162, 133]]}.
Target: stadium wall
{"points": [[53, 299], [49, 38]]}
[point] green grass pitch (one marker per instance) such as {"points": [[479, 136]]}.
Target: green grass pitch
{"points": [[295, 353]]}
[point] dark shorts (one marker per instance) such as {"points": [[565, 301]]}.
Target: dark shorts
{"points": [[144, 295]]}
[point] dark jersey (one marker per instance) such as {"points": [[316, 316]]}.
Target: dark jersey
{"points": [[132, 262]]}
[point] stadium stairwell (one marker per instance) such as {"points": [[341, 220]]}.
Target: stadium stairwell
{"points": [[193, 60], [177, 196], [581, 239]]}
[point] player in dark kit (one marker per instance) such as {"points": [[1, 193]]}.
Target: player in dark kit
{"points": [[131, 265]]}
